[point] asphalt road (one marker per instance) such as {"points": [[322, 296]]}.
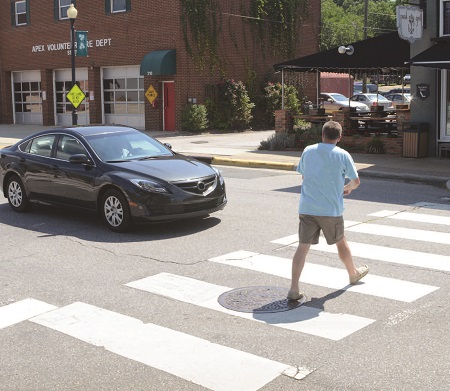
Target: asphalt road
{"points": [[140, 311]]}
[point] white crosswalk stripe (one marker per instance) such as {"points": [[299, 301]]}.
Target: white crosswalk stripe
{"points": [[303, 319], [213, 366], [415, 217], [22, 310], [329, 277], [380, 253], [398, 232]]}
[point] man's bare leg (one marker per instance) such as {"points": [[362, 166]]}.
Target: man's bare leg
{"points": [[345, 255], [297, 265]]}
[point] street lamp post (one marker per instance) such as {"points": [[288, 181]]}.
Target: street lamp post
{"points": [[72, 15]]}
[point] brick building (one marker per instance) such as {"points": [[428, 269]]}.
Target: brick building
{"points": [[132, 46]]}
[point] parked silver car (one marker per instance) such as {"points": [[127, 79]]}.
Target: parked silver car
{"points": [[333, 101], [372, 100]]}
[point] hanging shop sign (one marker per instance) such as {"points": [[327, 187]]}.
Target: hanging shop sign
{"points": [[410, 23]]}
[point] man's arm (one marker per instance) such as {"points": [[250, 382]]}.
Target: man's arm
{"points": [[350, 186]]}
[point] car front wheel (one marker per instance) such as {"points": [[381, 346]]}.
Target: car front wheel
{"points": [[115, 211], [17, 196]]}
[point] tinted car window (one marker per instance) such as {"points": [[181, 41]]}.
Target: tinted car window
{"points": [[41, 146], [126, 146], [69, 146]]}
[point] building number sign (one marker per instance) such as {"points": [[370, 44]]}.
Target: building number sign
{"points": [[76, 96]]}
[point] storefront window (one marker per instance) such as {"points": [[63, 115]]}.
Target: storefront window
{"points": [[445, 17], [447, 108]]}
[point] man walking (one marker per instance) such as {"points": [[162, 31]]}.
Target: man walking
{"points": [[324, 167]]}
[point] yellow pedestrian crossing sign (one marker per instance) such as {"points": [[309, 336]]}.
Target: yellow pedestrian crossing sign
{"points": [[76, 96], [151, 94]]}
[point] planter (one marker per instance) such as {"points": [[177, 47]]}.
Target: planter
{"points": [[320, 111]]}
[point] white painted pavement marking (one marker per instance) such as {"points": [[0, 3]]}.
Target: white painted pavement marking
{"points": [[329, 277], [380, 253], [416, 217], [194, 359], [22, 310], [303, 319], [398, 232]]}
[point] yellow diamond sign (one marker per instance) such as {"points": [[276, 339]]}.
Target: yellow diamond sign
{"points": [[151, 94], [76, 96]]}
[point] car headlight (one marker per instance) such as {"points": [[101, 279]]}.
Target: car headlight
{"points": [[219, 175], [149, 185]]}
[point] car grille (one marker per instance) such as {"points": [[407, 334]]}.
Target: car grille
{"points": [[202, 186], [185, 208]]}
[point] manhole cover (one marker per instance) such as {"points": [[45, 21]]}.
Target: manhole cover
{"points": [[259, 299]]}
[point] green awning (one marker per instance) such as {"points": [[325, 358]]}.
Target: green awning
{"points": [[159, 62]]}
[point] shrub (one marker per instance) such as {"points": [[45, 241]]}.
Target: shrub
{"points": [[272, 100], [306, 134], [194, 118], [278, 142], [375, 145], [230, 107]]}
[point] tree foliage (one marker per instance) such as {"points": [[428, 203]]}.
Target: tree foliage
{"points": [[343, 20]]}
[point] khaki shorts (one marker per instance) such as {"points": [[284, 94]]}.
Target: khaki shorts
{"points": [[310, 227]]}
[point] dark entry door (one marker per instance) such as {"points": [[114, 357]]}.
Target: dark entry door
{"points": [[169, 106]]}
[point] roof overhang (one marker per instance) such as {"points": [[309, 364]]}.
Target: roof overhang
{"points": [[159, 62], [384, 52], [436, 56]]}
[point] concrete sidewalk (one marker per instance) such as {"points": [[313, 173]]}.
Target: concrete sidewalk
{"points": [[241, 149]]}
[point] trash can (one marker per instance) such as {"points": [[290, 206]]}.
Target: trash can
{"points": [[415, 140]]}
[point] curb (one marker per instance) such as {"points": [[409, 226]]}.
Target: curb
{"points": [[253, 163], [429, 180]]}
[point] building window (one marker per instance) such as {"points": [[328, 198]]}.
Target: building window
{"points": [[116, 6], [27, 97], [20, 13], [124, 96], [445, 18], [63, 6]]}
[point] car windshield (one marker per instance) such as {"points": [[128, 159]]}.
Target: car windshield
{"points": [[339, 97], [373, 97], [124, 146]]}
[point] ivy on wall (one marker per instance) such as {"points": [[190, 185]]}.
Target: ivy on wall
{"points": [[274, 25], [200, 26]]}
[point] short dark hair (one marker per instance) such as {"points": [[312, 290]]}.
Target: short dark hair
{"points": [[332, 130]]}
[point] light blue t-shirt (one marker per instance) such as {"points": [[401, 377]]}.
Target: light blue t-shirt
{"points": [[324, 168]]}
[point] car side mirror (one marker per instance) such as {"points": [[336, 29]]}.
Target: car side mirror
{"points": [[79, 158], [168, 145]]}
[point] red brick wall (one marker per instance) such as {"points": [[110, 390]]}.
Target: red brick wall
{"points": [[149, 26]]}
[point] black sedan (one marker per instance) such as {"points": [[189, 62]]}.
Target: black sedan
{"points": [[121, 173]]}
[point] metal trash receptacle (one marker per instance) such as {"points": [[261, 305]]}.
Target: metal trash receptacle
{"points": [[415, 140]]}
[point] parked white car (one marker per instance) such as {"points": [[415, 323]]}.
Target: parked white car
{"points": [[372, 100], [399, 99], [333, 101]]}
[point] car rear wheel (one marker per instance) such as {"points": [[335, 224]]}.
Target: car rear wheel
{"points": [[17, 196], [115, 211]]}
